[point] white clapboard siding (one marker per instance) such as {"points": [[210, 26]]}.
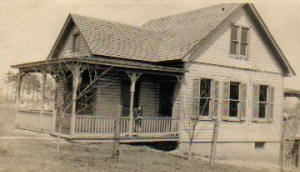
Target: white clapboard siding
{"points": [[149, 97], [108, 97]]}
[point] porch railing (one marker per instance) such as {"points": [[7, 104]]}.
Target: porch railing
{"points": [[34, 120], [150, 126]]}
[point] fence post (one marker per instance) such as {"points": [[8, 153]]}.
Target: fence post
{"points": [[213, 143], [116, 151], [282, 149]]}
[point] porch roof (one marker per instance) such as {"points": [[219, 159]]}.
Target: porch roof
{"points": [[291, 93], [117, 63]]}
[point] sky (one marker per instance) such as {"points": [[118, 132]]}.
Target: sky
{"points": [[28, 28]]}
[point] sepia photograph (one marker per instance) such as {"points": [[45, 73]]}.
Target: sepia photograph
{"points": [[149, 86]]}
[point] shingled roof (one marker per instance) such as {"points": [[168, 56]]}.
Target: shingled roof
{"points": [[118, 40], [164, 39], [183, 31]]}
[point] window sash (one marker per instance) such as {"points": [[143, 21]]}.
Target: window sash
{"points": [[266, 105], [212, 100], [227, 101], [239, 41]]}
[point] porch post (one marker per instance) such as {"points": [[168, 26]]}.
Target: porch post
{"points": [[19, 84], [133, 78], [76, 72], [18, 93], [44, 77]]}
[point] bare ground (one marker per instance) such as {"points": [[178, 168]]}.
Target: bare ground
{"points": [[22, 152]]}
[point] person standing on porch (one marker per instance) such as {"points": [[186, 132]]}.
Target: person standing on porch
{"points": [[138, 115]]}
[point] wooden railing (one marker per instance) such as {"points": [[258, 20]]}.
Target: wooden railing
{"points": [[103, 126], [34, 120]]}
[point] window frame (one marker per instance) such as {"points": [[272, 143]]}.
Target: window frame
{"points": [[268, 104], [76, 42], [239, 42], [235, 118], [242, 99], [210, 99], [214, 99]]}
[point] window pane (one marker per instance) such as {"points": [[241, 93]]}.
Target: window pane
{"points": [[244, 35], [243, 49], [234, 30], [205, 87], [263, 93], [234, 90], [204, 107], [233, 109], [262, 110], [233, 47]]}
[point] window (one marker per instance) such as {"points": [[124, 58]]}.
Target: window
{"points": [[263, 102], [234, 101], [76, 40], [205, 98], [239, 42], [234, 40], [259, 145]]}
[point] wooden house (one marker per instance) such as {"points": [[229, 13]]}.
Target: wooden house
{"points": [[223, 55]]}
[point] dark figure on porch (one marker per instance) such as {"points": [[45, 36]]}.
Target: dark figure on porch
{"points": [[138, 115]]}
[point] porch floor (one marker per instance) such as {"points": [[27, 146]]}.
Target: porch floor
{"points": [[123, 139]]}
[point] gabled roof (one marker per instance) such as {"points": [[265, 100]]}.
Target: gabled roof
{"points": [[163, 39], [183, 31], [118, 40]]}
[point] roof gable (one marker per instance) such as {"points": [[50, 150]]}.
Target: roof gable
{"points": [[163, 39], [183, 31]]}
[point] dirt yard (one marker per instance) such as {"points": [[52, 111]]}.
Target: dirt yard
{"points": [[23, 151]]}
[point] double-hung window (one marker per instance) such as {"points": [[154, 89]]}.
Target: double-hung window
{"points": [[263, 103], [234, 101], [239, 42], [205, 98]]}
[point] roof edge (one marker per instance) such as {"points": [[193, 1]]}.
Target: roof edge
{"points": [[283, 59]]}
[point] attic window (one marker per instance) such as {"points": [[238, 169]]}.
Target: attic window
{"points": [[239, 42], [76, 39]]}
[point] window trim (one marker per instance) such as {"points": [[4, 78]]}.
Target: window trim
{"points": [[236, 100], [210, 99], [238, 118], [239, 42], [267, 118]]}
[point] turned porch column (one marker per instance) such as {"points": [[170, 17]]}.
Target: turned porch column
{"points": [[18, 93], [44, 77], [133, 78], [19, 86], [76, 73]]}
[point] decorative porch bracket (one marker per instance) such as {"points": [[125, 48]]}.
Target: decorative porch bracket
{"points": [[76, 73], [133, 78]]}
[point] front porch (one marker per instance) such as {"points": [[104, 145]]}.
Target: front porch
{"points": [[92, 116], [102, 128]]}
